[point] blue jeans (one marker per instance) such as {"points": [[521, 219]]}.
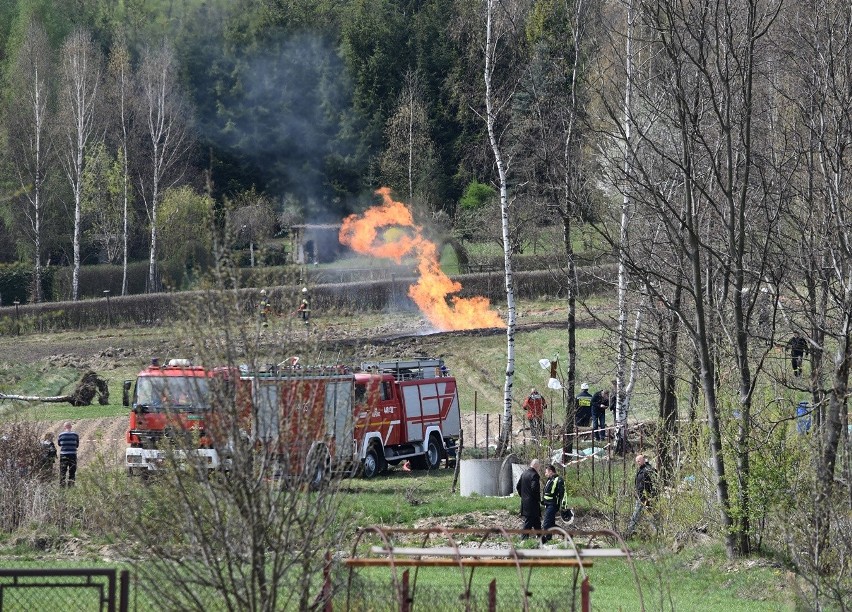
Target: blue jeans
{"points": [[599, 424], [549, 520]]}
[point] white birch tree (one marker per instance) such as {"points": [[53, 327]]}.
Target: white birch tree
{"points": [[121, 88], [30, 141], [500, 20], [621, 397], [410, 158], [165, 116], [81, 78]]}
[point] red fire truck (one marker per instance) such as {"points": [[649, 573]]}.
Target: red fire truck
{"points": [[405, 410], [315, 420]]}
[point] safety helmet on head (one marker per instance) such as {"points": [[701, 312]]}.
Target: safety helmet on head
{"points": [[304, 289], [263, 292], [584, 387]]}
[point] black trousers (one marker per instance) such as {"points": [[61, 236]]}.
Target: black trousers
{"points": [[531, 522], [67, 465], [796, 359], [549, 519]]}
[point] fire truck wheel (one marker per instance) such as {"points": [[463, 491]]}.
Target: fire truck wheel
{"points": [[433, 454], [317, 466], [374, 463], [431, 459]]}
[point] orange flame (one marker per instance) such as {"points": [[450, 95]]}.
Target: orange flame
{"points": [[431, 290]]}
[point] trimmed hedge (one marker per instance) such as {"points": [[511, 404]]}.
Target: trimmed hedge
{"points": [[16, 282], [94, 279], [379, 295]]}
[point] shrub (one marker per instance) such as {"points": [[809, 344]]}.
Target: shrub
{"points": [[23, 478]]}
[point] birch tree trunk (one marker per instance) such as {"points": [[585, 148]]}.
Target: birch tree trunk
{"points": [[165, 120], [121, 85], [621, 444], [30, 141], [81, 76], [492, 109]]}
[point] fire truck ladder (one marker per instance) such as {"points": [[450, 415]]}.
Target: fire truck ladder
{"points": [[577, 550], [408, 369]]}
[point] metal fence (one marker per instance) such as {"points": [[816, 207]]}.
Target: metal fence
{"points": [[67, 589], [403, 595]]}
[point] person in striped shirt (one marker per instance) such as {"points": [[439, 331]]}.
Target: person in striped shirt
{"points": [[68, 442]]}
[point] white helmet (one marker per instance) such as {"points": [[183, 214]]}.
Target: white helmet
{"points": [[263, 292], [304, 289], [584, 387]]}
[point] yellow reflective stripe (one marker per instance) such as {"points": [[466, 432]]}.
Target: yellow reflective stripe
{"points": [[554, 483]]}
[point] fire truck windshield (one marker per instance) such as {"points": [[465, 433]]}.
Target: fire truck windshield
{"points": [[183, 393]]}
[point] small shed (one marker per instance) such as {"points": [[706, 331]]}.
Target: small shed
{"points": [[315, 243]]}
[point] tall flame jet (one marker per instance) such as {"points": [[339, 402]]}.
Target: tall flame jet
{"points": [[431, 290]]}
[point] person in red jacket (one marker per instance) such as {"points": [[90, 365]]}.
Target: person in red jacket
{"points": [[535, 405]]}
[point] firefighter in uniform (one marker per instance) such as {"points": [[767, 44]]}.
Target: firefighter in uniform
{"points": [[554, 491], [584, 406], [304, 309], [264, 308]]}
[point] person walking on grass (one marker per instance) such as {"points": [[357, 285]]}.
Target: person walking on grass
{"points": [[529, 489], [646, 490], [554, 491], [68, 442], [304, 310]]}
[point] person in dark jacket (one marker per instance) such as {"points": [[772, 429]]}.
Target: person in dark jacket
{"points": [[68, 442], [584, 406], [798, 348], [48, 456], [646, 490], [554, 491], [600, 404], [529, 489]]}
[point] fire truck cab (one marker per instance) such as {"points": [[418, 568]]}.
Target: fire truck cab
{"points": [[167, 401]]}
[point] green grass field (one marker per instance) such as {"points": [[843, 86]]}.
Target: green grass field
{"points": [[683, 577]]}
